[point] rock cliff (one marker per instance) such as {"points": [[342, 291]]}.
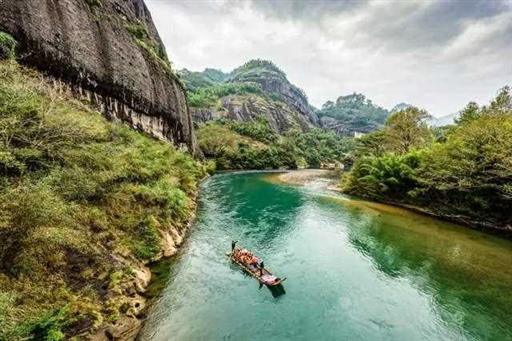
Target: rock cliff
{"points": [[110, 53], [256, 89], [274, 81]]}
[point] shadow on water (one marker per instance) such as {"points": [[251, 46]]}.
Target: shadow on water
{"points": [[276, 291], [467, 273]]}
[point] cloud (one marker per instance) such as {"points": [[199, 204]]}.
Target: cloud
{"points": [[438, 55]]}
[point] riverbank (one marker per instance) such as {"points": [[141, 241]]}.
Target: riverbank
{"points": [[127, 327], [330, 180], [302, 177]]}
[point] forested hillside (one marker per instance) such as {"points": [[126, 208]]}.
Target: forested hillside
{"points": [[352, 113], [254, 118], [254, 145], [463, 172]]}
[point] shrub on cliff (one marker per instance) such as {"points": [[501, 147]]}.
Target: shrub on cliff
{"points": [[209, 96], [79, 198], [7, 46]]}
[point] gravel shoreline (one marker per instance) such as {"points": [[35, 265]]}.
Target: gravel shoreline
{"points": [[304, 176]]}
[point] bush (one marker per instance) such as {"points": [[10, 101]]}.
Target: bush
{"points": [[7, 46], [389, 177], [48, 327]]}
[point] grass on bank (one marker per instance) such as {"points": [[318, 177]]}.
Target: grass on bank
{"points": [[79, 195]]}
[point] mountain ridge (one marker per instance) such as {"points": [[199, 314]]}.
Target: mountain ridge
{"points": [[255, 89]]}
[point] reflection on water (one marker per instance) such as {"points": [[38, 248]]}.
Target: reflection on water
{"points": [[464, 272], [356, 270]]}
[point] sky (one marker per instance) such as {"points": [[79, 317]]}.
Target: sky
{"points": [[437, 55]]}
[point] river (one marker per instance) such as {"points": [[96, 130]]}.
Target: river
{"points": [[355, 271]]}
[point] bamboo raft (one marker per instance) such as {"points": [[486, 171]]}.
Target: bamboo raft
{"points": [[257, 273]]}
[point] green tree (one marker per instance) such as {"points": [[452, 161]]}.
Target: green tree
{"points": [[465, 175], [502, 103], [469, 113], [371, 144], [407, 129]]}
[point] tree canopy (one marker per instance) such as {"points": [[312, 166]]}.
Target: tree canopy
{"points": [[465, 175]]}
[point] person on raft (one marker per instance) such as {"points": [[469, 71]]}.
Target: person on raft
{"points": [[245, 257]]}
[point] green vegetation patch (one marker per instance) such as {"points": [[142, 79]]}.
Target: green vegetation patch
{"points": [[139, 31], [464, 173], [94, 3], [77, 194], [209, 97], [355, 112], [254, 145], [7, 46], [196, 80]]}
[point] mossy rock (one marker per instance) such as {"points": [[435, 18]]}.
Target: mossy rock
{"points": [[7, 46]]}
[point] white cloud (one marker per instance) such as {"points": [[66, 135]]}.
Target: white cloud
{"points": [[438, 55]]}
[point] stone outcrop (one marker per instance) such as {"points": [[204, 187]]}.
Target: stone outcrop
{"points": [[280, 116], [261, 89], [274, 82], [108, 51]]}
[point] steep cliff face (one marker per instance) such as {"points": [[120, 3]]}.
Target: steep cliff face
{"points": [[256, 89], [274, 81], [109, 52], [245, 108]]}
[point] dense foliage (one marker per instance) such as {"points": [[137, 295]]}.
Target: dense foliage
{"points": [[354, 113], [466, 174], [76, 193], [7, 46], [196, 80], [254, 145], [209, 97]]}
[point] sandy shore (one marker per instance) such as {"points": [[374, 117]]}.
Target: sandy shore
{"points": [[302, 177]]}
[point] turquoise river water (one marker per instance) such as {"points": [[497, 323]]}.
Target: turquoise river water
{"points": [[355, 271]]}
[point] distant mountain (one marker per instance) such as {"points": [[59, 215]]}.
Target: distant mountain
{"points": [[444, 120], [256, 89], [400, 107], [352, 113]]}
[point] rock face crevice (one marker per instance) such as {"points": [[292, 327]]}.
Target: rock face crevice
{"points": [[89, 45]]}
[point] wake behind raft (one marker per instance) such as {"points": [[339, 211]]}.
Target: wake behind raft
{"points": [[253, 266]]}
